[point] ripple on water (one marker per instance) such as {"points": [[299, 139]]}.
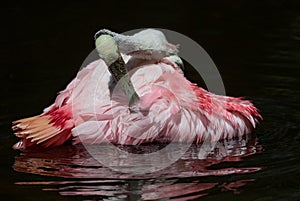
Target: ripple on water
{"points": [[187, 178]]}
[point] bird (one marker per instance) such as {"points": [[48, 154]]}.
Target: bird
{"points": [[134, 93]]}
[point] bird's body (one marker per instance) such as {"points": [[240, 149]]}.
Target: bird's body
{"points": [[93, 110]]}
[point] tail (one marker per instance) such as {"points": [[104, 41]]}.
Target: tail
{"points": [[52, 128]]}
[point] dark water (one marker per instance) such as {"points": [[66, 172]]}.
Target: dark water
{"points": [[256, 46]]}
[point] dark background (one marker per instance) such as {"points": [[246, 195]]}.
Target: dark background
{"points": [[43, 45], [255, 45]]}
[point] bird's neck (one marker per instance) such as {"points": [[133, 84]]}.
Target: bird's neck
{"points": [[109, 52]]}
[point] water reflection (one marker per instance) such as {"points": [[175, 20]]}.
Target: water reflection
{"points": [[85, 176]]}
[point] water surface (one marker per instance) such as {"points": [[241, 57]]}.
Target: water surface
{"points": [[257, 50]]}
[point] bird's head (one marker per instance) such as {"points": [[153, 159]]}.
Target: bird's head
{"points": [[107, 48]]}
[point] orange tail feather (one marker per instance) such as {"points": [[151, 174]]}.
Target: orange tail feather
{"points": [[44, 130]]}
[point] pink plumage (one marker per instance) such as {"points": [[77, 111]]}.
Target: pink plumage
{"points": [[170, 108]]}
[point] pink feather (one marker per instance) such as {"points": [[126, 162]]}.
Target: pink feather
{"points": [[170, 108]]}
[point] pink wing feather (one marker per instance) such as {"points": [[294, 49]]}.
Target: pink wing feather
{"points": [[170, 108]]}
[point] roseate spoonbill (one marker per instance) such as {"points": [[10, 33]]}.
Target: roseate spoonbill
{"points": [[163, 105]]}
